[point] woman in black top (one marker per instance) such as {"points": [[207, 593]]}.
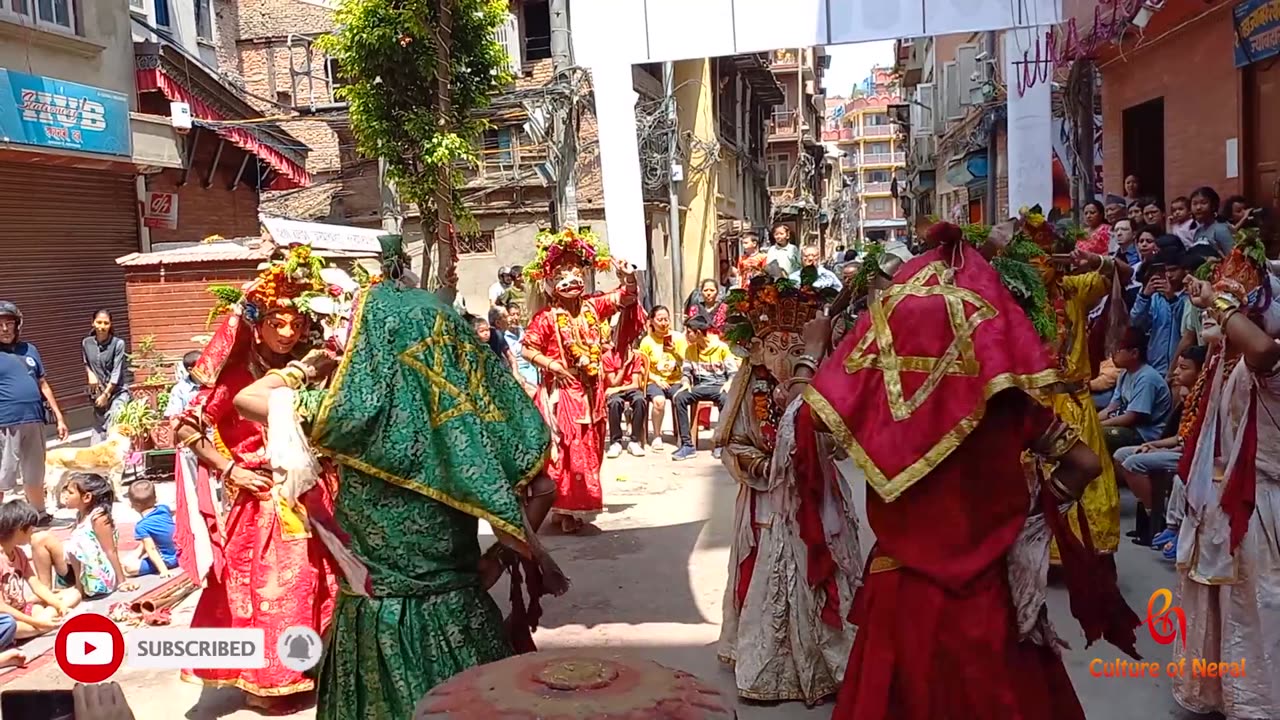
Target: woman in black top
{"points": [[106, 366]]}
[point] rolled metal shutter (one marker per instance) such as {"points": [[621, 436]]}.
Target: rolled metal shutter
{"points": [[61, 230]]}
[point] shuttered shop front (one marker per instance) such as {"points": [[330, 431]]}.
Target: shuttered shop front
{"points": [[61, 230]]}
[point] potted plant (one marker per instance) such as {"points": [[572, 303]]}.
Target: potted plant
{"points": [[136, 420], [149, 364]]}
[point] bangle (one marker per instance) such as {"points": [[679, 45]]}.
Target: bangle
{"points": [[1225, 301], [226, 472], [308, 372], [291, 376], [1106, 266], [1060, 491]]}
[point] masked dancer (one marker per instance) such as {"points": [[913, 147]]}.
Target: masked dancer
{"points": [[565, 340]]}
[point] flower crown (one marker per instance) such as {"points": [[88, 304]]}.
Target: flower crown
{"points": [[583, 246], [1245, 267], [290, 282], [774, 305], [1023, 265]]}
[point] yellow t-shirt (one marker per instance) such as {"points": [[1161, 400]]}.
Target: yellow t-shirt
{"points": [[713, 363], [665, 362]]}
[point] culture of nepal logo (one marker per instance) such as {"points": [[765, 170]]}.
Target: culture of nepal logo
{"points": [[1166, 625]]}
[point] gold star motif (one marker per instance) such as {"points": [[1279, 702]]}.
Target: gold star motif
{"points": [[430, 357], [959, 358]]}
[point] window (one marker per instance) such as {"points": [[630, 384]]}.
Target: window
{"points": [[204, 20], [875, 119], [498, 150], [879, 205], [162, 13], [779, 170], [334, 73], [138, 5], [878, 147], [59, 15], [537, 30], [479, 242], [876, 176], [727, 101]]}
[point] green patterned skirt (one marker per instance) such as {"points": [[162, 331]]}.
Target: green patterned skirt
{"points": [[384, 654]]}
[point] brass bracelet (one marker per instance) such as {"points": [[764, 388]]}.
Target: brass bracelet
{"points": [[308, 372], [1056, 441], [1106, 266], [1060, 491], [291, 376], [1223, 317]]}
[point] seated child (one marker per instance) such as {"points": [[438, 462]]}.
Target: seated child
{"points": [[1137, 464], [158, 554], [88, 559], [34, 607]]}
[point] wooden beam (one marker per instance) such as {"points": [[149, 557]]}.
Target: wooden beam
{"points": [[243, 164], [213, 169], [191, 156]]}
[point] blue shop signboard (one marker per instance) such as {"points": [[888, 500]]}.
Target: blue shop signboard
{"points": [[1257, 30], [52, 113]]}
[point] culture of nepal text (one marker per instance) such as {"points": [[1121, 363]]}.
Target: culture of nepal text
{"points": [[1199, 667]]}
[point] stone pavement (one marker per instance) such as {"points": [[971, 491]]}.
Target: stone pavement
{"points": [[650, 576]]}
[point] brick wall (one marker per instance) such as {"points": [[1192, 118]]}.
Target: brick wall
{"points": [[1193, 70], [216, 210], [172, 304]]}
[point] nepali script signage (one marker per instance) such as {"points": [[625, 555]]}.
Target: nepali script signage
{"points": [[1257, 30], [51, 113]]}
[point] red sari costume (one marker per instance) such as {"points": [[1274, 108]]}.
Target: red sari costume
{"points": [[265, 569], [928, 394], [575, 409]]}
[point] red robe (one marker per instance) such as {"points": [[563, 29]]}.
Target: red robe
{"points": [[260, 579], [576, 409], [937, 636]]}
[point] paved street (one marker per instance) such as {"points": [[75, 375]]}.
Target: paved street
{"points": [[651, 578]]}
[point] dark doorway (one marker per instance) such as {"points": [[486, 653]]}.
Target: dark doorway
{"points": [[1143, 128], [1261, 163]]}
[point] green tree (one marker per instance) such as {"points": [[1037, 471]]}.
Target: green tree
{"points": [[389, 52]]}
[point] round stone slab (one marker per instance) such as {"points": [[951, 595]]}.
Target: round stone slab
{"points": [[574, 684]]}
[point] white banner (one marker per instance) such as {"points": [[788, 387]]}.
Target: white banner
{"points": [[1030, 120], [620, 163]]}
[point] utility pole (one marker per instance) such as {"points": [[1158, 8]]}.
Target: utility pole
{"points": [[392, 221], [673, 198], [566, 114], [438, 272], [993, 202]]}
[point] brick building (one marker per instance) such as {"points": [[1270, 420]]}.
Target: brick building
{"points": [[1179, 112]]}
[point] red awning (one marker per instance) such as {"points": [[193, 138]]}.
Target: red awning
{"points": [[289, 173]]}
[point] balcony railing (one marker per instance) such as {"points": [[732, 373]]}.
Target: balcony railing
{"points": [[874, 187], [784, 122], [882, 158], [870, 131]]}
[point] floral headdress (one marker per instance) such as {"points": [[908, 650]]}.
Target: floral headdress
{"points": [[1023, 263], [771, 304], [581, 246], [1244, 271], [291, 282]]}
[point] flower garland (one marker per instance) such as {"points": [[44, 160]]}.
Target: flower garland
{"points": [[763, 409], [584, 352], [584, 245]]}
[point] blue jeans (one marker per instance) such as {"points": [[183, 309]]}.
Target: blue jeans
{"points": [[8, 631]]}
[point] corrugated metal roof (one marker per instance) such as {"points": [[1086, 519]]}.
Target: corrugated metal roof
{"points": [[238, 249]]}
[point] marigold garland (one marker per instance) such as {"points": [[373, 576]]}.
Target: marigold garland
{"points": [[552, 248]]}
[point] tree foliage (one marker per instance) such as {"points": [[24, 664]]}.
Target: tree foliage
{"points": [[387, 51]]}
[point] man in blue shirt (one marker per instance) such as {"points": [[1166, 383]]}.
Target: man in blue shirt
{"points": [[809, 257], [1158, 309], [1142, 401], [23, 394]]}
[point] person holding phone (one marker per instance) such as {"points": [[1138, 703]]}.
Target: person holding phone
{"points": [[1159, 307]]}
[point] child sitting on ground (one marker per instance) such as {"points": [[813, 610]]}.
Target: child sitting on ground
{"points": [[35, 607], [88, 559], [158, 554]]}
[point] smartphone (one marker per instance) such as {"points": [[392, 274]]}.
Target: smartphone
{"points": [[37, 705]]}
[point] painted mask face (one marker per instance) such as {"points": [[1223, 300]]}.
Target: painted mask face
{"points": [[281, 330], [568, 281], [778, 352]]}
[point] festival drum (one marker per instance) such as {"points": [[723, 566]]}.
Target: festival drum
{"points": [[574, 684]]}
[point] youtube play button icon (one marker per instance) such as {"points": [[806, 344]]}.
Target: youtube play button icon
{"points": [[89, 648]]}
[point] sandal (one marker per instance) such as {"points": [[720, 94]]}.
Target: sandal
{"points": [[1170, 551], [1165, 536]]}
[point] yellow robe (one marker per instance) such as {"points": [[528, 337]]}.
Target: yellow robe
{"points": [[1102, 497]]}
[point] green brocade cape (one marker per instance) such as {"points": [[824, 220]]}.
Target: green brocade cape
{"points": [[420, 402]]}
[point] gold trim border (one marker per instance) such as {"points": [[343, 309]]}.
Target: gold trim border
{"points": [[889, 489], [322, 418], [297, 688]]}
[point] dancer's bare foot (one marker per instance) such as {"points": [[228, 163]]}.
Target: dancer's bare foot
{"points": [[281, 705], [12, 658]]}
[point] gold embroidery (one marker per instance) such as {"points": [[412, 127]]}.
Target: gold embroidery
{"points": [[959, 358], [890, 488], [475, 399], [883, 563]]}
